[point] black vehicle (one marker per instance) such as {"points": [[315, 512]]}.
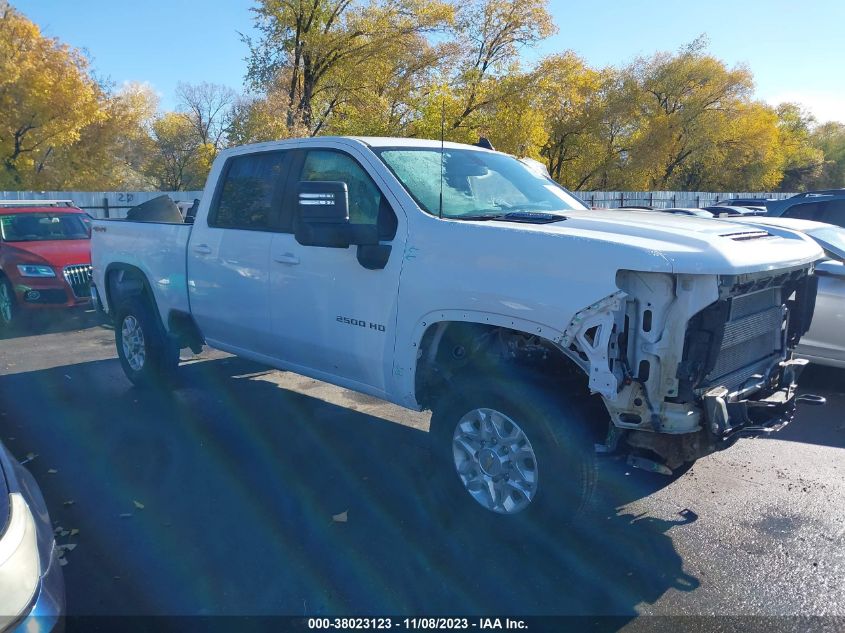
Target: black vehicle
{"points": [[819, 206]]}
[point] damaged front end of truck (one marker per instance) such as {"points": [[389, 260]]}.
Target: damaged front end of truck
{"points": [[675, 394]]}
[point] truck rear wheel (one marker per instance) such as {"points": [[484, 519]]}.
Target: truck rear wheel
{"points": [[147, 355], [512, 450]]}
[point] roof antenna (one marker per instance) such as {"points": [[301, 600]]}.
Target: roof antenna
{"points": [[442, 134]]}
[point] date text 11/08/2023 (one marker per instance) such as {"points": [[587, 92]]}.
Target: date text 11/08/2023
{"points": [[417, 623]]}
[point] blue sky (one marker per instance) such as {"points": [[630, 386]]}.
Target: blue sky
{"points": [[794, 55]]}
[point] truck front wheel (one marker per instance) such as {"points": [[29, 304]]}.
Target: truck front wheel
{"points": [[147, 355], [513, 450]]}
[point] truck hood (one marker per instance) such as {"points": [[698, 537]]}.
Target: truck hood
{"points": [[689, 244], [56, 253]]}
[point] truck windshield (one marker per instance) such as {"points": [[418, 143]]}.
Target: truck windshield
{"points": [[34, 227], [476, 184]]}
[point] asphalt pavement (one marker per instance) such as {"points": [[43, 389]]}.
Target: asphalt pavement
{"points": [[252, 491]]}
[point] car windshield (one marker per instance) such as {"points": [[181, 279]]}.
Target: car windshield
{"points": [[37, 227], [475, 184], [831, 238]]}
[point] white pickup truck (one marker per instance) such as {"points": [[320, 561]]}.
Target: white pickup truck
{"points": [[462, 280]]}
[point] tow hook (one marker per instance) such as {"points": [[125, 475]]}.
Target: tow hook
{"points": [[811, 399]]}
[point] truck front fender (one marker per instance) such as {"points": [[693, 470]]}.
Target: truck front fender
{"points": [[405, 363]]}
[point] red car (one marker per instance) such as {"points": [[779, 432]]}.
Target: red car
{"points": [[45, 258]]}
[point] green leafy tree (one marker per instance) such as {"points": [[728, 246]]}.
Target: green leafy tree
{"points": [[830, 140], [802, 163]]}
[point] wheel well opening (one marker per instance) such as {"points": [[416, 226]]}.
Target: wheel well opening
{"points": [[123, 282], [451, 347]]}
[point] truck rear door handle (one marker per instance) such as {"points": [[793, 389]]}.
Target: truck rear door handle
{"points": [[202, 249], [287, 258]]}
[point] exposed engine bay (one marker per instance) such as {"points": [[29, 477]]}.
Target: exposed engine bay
{"points": [[681, 393]]}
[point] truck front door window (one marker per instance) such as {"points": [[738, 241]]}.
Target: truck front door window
{"points": [[364, 196]]}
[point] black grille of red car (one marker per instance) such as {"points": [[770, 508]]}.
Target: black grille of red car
{"points": [[78, 278]]}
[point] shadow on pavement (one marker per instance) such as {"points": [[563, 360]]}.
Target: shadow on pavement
{"points": [[232, 495], [827, 379], [823, 425], [52, 322]]}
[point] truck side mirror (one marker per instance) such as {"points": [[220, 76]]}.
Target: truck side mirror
{"points": [[322, 214]]}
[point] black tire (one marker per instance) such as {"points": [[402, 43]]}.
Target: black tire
{"points": [[556, 428], [9, 317], [155, 366]]}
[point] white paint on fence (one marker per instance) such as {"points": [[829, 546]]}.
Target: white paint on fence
{"points": [[116, 203], [667, 199], [98, 203]]}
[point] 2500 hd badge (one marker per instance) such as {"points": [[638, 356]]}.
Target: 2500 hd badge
{"points": [[361, 323]]}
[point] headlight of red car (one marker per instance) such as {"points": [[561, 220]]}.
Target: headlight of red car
{"points": [[35, 270]]}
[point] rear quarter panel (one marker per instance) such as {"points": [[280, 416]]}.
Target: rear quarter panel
{"points": [[156, 249]]}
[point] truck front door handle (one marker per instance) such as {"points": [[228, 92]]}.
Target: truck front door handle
{"points": [[287, 258], [202, 249]]}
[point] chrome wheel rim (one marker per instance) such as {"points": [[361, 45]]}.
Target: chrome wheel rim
{"points": [[495, 461], [132, 338], [5, 303]]}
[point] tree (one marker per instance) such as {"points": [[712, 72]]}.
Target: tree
{"points": [[801, 162], [112, 152], [307, 48], [179, 161], [492, 33], [683, 99], [46, 99], [261, 118], [830, 140], [209, 108], [591, 121], [388, 99]]}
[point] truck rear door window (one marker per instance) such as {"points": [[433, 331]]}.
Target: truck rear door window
{"points": [[250, 192]]}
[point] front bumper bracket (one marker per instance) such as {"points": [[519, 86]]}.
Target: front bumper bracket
{"points": [[730, 416]]}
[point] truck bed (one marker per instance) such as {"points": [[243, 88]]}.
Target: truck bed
{"points": [[157, 249]]}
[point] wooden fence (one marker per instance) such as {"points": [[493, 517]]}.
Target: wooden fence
{"points": [[667, 199], [113, 204], [101, 204]]}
